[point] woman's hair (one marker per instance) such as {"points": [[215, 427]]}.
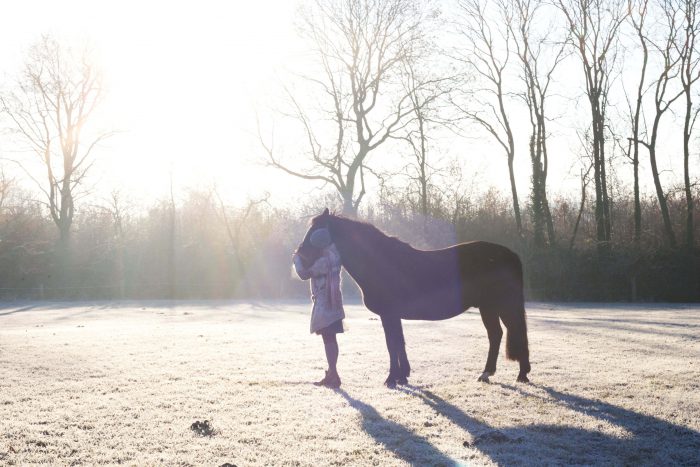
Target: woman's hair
{"points": [[320, 238]]}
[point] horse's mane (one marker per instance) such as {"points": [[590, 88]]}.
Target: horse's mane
{"points": [[373, 234]]}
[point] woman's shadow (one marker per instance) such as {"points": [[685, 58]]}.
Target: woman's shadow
{"points": [[648, 440], [404, 443]]}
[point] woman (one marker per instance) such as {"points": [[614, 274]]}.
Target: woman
{"points": [[327, 313]]}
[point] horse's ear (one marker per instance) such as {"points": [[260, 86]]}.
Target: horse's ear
{"points": [[325, 212]]}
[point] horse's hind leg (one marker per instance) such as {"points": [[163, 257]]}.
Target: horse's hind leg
{"points": [[390, 334], [513, 317], [489, 316]]}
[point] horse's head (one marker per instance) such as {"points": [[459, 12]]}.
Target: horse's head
{"points": [[306, 250]]}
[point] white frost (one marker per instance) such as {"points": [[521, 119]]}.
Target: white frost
{"points": [[122, 382]]}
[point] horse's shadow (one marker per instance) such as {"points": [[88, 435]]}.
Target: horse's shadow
{"points": [[644, 439], [404, 443]]}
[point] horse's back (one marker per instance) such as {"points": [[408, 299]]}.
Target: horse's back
{"points": [[478, 261], [440, 284]]}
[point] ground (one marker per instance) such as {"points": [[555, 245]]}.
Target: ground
{"points": [[209, 383]]}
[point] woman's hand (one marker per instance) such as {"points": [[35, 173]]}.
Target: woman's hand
{"points": [[302, 271]]}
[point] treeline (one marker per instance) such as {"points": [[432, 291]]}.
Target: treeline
{"points": [[385, 87], [199, 248], [508, 71]]}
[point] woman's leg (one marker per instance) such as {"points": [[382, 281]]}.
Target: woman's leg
{"points": [[330, 343]]}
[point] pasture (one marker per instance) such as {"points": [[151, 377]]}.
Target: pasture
{"points": [[123, 383]]}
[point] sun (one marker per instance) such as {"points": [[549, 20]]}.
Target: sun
{"points": [[183, 83], [185, 92]]}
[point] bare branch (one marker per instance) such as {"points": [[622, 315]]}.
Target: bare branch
{"points": [[53, 103]]}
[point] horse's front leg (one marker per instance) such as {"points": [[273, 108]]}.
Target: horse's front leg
{"points": [[390, 334], [404, 366]]}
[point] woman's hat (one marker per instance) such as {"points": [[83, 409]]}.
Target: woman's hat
{"points": [[320, 238]]}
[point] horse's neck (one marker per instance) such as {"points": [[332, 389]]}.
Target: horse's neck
{"points": [[357, 257]]}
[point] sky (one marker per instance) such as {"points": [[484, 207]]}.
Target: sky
{"points": [[188, 81], [183, 84]]}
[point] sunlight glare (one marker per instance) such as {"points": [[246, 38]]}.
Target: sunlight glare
{"points": [[183, 80]]}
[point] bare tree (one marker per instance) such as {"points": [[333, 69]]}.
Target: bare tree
{"points": [[425, 101], [233, 228], [486, 55], [56, 98], [361, 46], [593, 27], [638, 10], [418, 141], [119, 211], [690, 72], [539, 58], [585, 180], [669, 70]]}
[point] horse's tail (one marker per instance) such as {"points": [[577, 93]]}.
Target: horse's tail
{"points": [[515, 320], [516, 339]]}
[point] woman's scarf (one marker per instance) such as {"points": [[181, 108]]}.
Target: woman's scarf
{"points": [[333, 278]]}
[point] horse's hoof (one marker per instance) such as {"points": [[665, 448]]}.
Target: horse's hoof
{"points": [[402, 380], [390, 383], [484, 378], [522, 379]]}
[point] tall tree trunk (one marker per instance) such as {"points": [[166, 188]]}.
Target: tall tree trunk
{"points": [[547, 213], [635, 141], [689, 227], [594, 26], [663, 205], [511, 158], [514, 192], [64, 238], [536, 196], [598, 176], [607, 214], [63, 278], [423, 171], [637, 201], [545, 169], [607, 209], [580, 212], [349, 208]]}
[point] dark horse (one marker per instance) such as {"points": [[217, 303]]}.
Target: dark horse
{"points": [[401, 282]]}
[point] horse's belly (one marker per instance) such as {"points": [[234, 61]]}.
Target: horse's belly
{"points": [[423, 298], [436, 315], [443, 303]]}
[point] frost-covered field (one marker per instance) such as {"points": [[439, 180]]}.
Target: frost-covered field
{"points": [[112, 383]]}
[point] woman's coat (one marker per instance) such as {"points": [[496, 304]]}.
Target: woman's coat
{"points": [[325, 287]]}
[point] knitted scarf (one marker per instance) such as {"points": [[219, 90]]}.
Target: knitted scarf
{"points": [[333, 278]]}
